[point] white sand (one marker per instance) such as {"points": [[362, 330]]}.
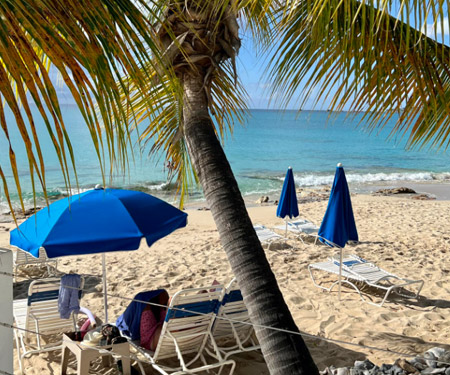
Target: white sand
{"points": [[410, 238]]}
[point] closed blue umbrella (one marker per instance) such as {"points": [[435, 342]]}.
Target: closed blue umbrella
{"points": [[338, 225], [98, 221], [288, 205]]}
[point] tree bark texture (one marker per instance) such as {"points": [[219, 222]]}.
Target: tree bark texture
{"points": [[284, 353]]}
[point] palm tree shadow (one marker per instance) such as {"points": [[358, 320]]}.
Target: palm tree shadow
{"points": [[326, 354], [406, 298], [20, 288], [422, 302], [406, 344]]}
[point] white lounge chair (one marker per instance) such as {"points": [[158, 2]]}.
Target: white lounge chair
{"points": [[186, 331], [299, 227], [234, 337], [357, 270], [267, 236], [23, 258], [39, 315]]}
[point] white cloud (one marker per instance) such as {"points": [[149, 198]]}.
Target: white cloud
{"points": [[429, 29]]}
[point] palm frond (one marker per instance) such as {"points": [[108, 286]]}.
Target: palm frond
{"points": [[92, 45], [158, 118], [364, 58]]}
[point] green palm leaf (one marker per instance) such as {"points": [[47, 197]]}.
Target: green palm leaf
{"points": [[366, 59], [92, 45]]}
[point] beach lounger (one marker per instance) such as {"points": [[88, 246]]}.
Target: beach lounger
{"points": [[233, 337], [267, 236], [23, 258], [39, 315], [185, 333], [356, 270], [300, 227]]}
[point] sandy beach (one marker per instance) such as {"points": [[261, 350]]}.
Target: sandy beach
{"points": [[405, 236]]}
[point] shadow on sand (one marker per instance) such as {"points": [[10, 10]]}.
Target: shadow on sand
{"points": [[21, 286]]}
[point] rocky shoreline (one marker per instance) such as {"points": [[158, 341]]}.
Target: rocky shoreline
{"points": [[434, 361]]}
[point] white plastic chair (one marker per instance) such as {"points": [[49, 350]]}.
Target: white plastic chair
{"points": [[186, 330], [299, 227], [39, 315], [357, 270], [267, 236], [234, 336], [23, 258]]}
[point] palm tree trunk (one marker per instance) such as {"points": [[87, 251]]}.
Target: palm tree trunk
{"points": [[284, 353]]}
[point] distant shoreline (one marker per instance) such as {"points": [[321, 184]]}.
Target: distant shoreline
{"points": [[435, 189], [440, 191]]}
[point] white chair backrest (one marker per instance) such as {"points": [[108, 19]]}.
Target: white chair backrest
{"points": [[232, 307], [24, 257], [43, 305], [188, 322]]}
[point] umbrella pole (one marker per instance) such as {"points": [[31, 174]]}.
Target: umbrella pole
{"points": [[105, 290], [340, 271], [285, 233]]}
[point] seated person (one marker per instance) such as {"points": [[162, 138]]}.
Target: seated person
{"points": [[152, 319], [143, 322]]}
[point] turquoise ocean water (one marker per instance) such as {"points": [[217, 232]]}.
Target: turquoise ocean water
{"points": [[312, 142]]}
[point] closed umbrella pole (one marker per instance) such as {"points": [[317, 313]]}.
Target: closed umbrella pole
{"points": [[288, 205], [341, 258], [338, 225]]}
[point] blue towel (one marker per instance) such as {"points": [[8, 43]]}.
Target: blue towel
{"points": [[69, 295], [129, 322]]}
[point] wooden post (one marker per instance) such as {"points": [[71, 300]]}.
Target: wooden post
{"points": [[6, 311]]}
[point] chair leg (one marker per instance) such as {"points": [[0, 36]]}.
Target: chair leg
{"points": [[83, 366], [64, 360], [19, 354]]}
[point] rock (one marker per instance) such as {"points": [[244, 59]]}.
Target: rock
{"points": [[418, 363], [22, 214], [432, 371], [430, 359], [405, 365], [395, 370], [263, 199], [385, 368], [203, 209], [364, 365], [423, 197], [400, 190], [437, 352], [445, 358]]}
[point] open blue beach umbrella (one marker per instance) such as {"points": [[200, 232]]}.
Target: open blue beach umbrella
{"points": [[98, 221], [288, 205], [338, 225]]}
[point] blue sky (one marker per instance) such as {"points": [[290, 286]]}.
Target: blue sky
{"points": [[252, 68]]}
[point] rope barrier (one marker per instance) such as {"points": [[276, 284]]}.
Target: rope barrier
{"points": [[303, 334]]}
